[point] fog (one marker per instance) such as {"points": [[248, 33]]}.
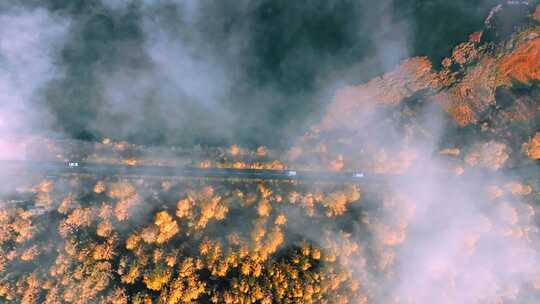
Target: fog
{"points": [[221, 73], [189, 72], [30, 45]]}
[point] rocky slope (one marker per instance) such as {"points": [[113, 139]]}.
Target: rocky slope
{"points": [[489, 86]]}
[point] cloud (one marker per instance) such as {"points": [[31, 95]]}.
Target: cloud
{"points": [[462, 246], [432, 236], [213, 73], [181, 85], [30, 41]]}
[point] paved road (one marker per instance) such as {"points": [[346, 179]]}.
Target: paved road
{"points": [[56, 168], [59, 168]]}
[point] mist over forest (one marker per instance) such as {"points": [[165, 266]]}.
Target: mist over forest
{"points": [[183, 151], [221, 72]]}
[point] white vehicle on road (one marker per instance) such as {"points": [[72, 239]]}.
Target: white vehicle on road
{"points": [[358, 175]]}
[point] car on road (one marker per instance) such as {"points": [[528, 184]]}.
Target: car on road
{"points": [[358, 175]]}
